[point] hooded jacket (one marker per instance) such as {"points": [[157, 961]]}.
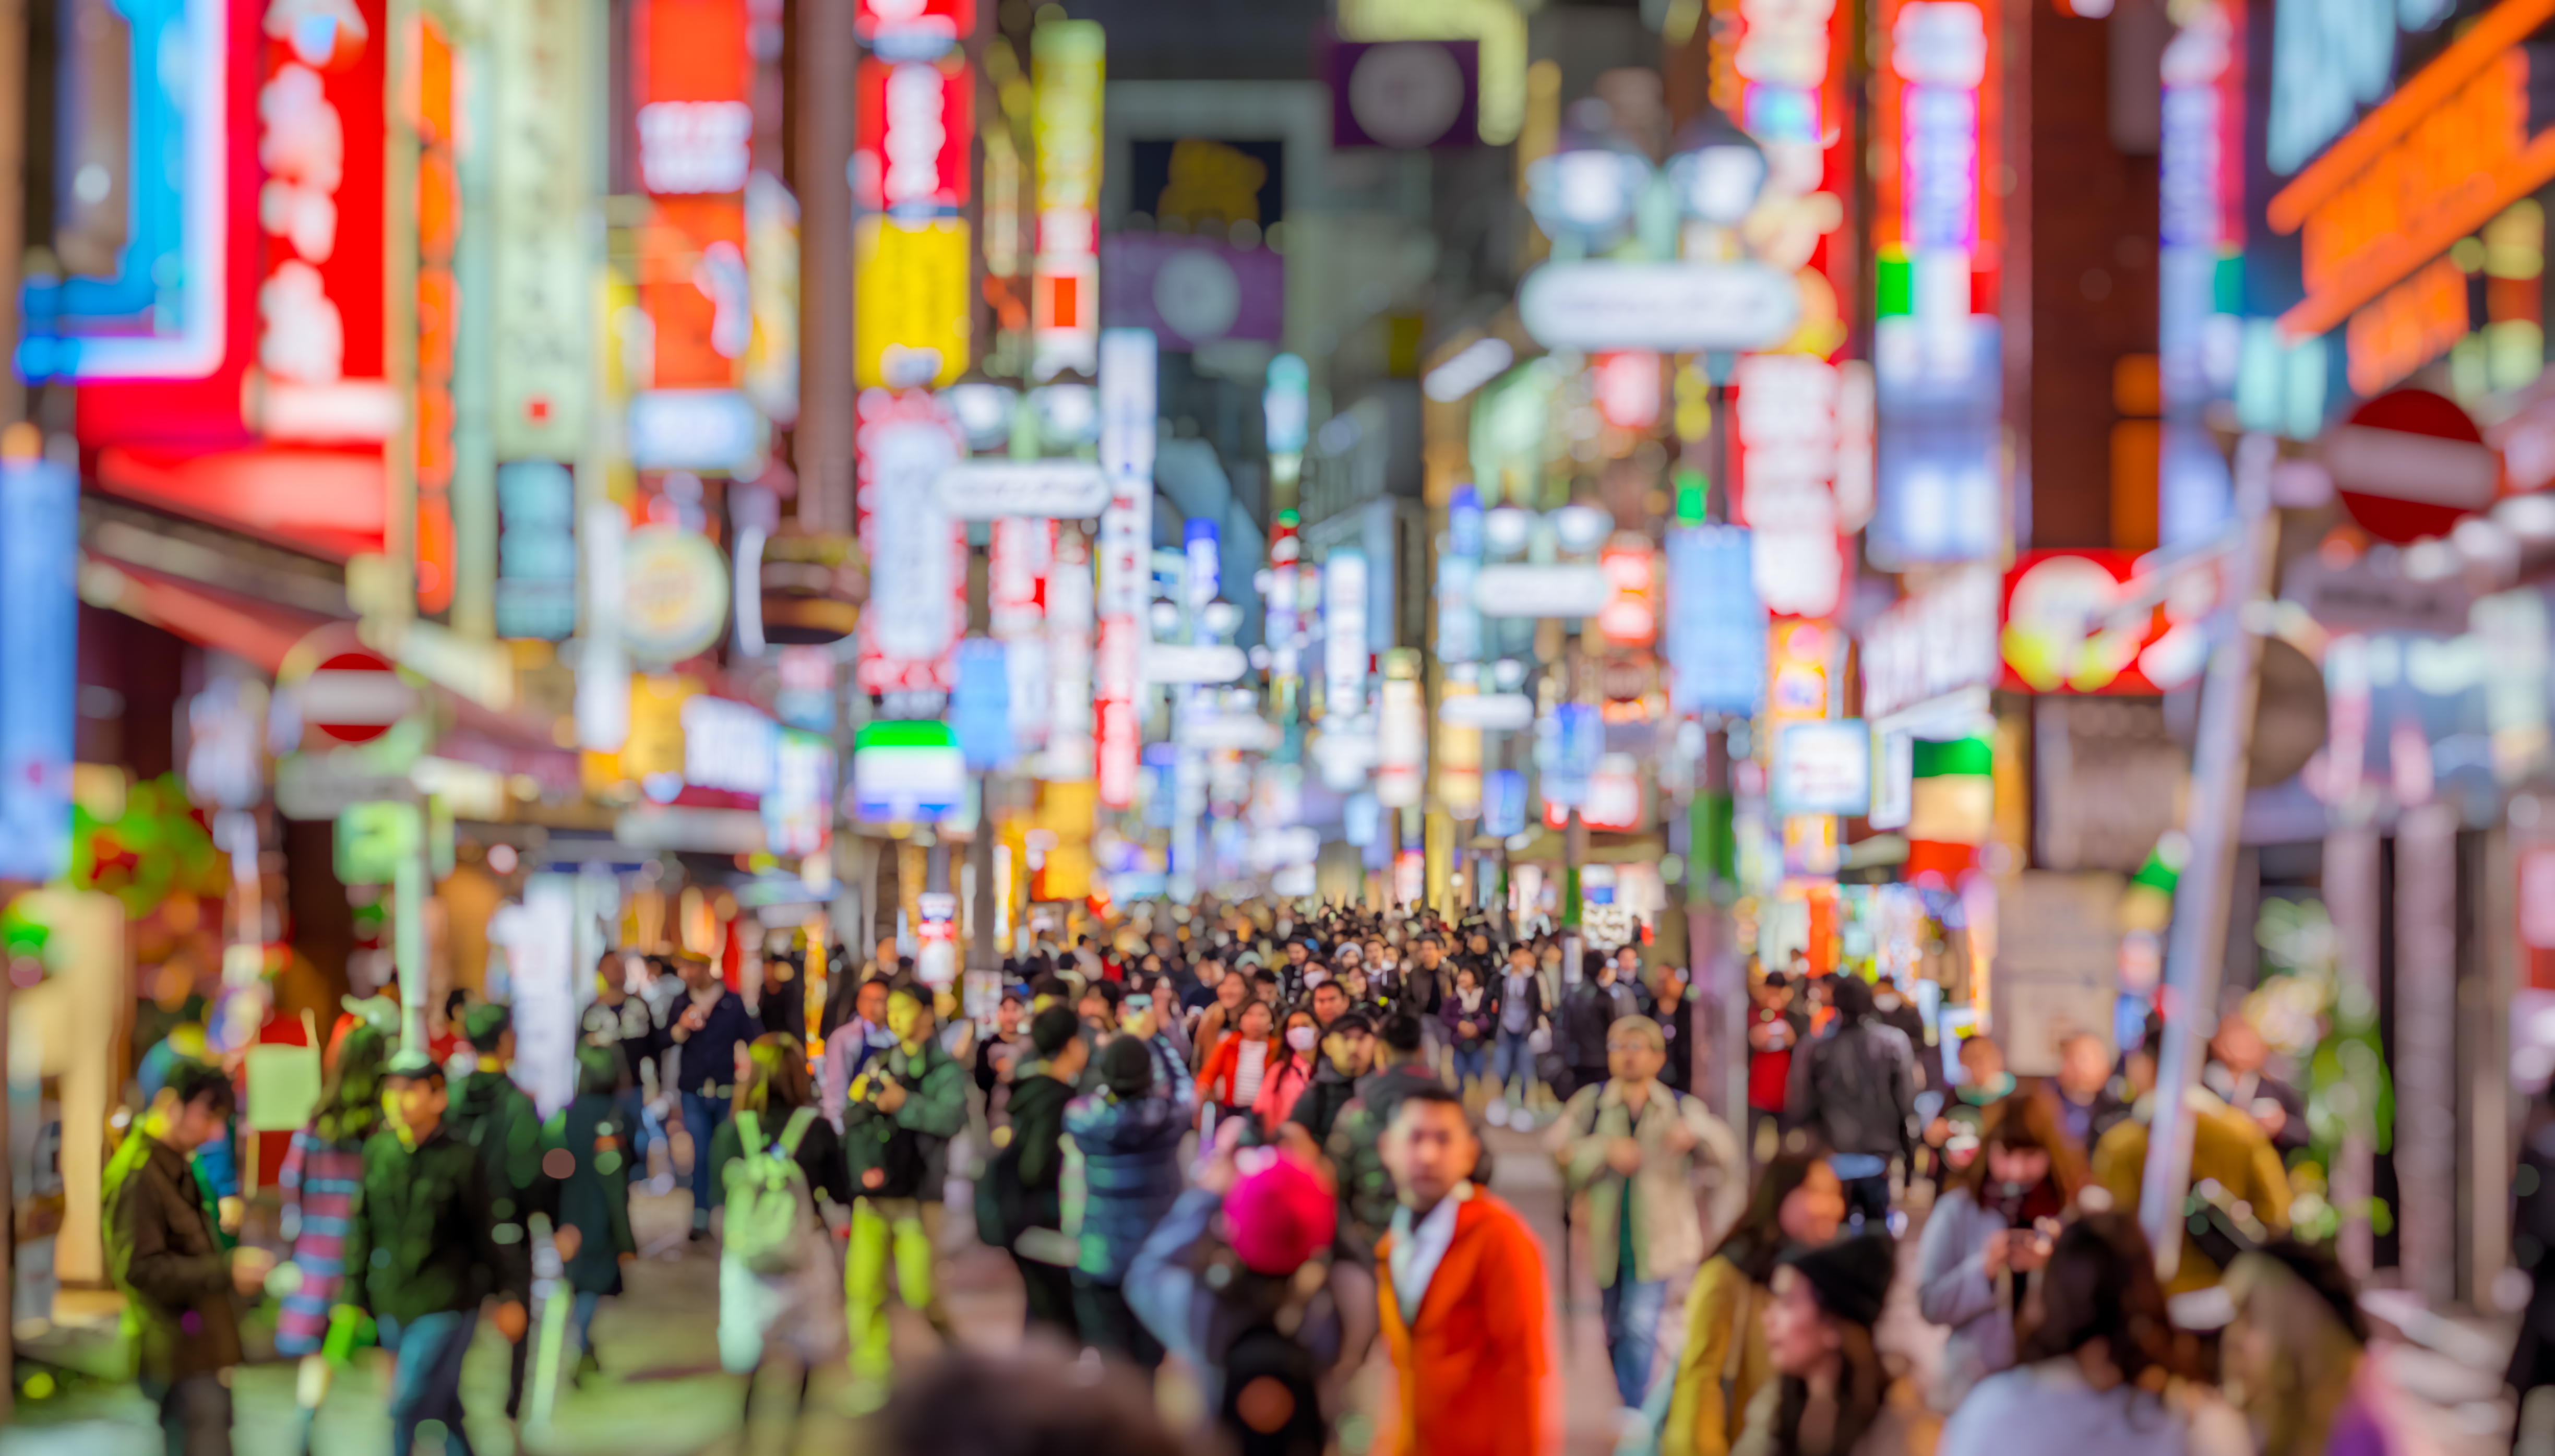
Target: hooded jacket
{"points": [[1131, 1175], [423, 1231], [499, 1123], [165, 1255]]}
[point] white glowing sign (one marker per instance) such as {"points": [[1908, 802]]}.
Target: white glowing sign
{"points": [[1786, 411], [695, 146], [1344, 653], [1127, 411]]}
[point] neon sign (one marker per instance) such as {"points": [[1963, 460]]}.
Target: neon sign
{"points": [[1067, 61], [1783, 485]]}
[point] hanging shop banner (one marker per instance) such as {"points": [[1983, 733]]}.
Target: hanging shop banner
{"points": [[1783, 486], [798, 812], [1344, 652], [536, 550], [1631, 616], [1069, 623], [1937, 641], [916, 126], [1067, 62], [1192, 290], [1780, 70], [39, 623], [1715, 626], [1822, 767], [540, 281], [1524, 590], [1021, 556], [907, 773], [1938, 229], [435, 116], [729, 746], [1404, 94], [917, 554], [910, 294], [1128, 407], [692, 90]]}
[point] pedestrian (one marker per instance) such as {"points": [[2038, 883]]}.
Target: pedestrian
{"points": [[1027, 1404], [898, 1122], [632, 1022], [1635, 1151], [1855, 1090], [1019, 1207], [783, 1186], [1230, 1281], [707, 1027], [1146, 1017], [165, 1252], [1674, 1012], [843, 990], [323, 1169], [2531, 1374], [1230, 1081], [1797, 1203], [1348, 1051], [2086, 1095], [1292, 1073], [1357, 1161], [1462, 1299], [2232, 1162], [1219, 1020], [424, 1235], [849, 1047], [1524, 1010], [2296, 1361], [499, 1122], [1831, 1393], [1586, 1012], [1130, 1141], [2236, 1072], [1977, 1101], [1471, 1020], [1988, 1234], [586, 1149], [1775, 1027], [2099, 1375]]}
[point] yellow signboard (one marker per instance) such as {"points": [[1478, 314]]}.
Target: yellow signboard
{"points": [[909, 321]]}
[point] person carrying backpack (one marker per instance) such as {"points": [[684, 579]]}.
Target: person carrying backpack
{"points": [[898, 1120], [1019, 1201], [1855, 1088], [498, 1121], [1130, 1141], [780, 1185], [1222, 1282]]}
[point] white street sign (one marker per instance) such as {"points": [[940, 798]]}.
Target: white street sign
{"points": [[1514, 590], [1165, 662], [983, 490], [1501, 712], [1674, 308]]}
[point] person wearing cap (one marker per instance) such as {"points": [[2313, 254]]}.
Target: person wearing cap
{"points": [[1130, 1141], [1635, 1150], [2102, 1373], [1020, 1205], [1777, 1027], [1461, 1296], [423, 1232], [1221, 1283], [1832, 1393], [706, 1027], [1348, 1049], [499, 1123]]}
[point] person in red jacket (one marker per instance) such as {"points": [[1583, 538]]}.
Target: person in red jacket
{"points": [[1461, 1290], [1776, 1026]]}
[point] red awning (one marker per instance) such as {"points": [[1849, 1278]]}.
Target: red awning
{"points": [[258, 632], [333, 503]]}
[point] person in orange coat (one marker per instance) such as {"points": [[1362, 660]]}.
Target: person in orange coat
{"points": [[1462, 1293]]}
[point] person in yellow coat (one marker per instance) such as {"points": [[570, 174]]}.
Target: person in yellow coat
{"points": [[1797, 1203], [2228, 1150]]}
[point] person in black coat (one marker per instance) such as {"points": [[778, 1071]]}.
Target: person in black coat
{"points": [[590, 1141], [707, 1026], [1020, 1202], [1675, 1014], [1587, 1009]]}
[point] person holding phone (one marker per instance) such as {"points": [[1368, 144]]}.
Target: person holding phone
{"points": [[1987, 1238]]}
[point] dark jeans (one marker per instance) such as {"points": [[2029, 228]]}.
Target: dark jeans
{"points": [[427, 1386], [1051, 1295], [194, 1415], [1110, 1326], [702, 1119]]}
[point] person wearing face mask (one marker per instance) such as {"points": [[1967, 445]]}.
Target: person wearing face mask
{"points": [[1832, 1395], [1292, 1073], [1986, 1241], [1797, 1203]]}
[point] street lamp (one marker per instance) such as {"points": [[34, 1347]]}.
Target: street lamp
{"points": [[1717, 171], [1586, 190]]}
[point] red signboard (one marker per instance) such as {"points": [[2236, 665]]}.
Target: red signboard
{"points": [[2065, 630], [917, 22], [917, 124]]}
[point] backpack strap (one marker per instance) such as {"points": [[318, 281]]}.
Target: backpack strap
{"points": [[793, 1130]]}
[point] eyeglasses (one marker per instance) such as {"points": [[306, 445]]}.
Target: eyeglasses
{"points": [[1630, 1046]]}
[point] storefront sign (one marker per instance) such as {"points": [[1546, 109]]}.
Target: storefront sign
{"points": [[907, 773], [916, 126], [798, 810], [540, 283], [38, 625], [1403, 93], [1785, 482], [1779, 68], [1516, 589], [1070, 619], [1936, 642], [1344, 649], [728, 745], [675, 590], [1503, 712], [917, 554], [1822, 767], [1181, 662], [1128, 407], [1066, 63], [909, 327], [536, 550], [993, 489], [1192, 290], [2063, 628], [1673, 307], [912, 26]]}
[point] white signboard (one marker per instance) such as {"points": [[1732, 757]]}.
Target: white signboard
{"points": [[1823, 768], [1167, 661], [1498, 712], [728, 745], [2057, 965], [1515, 590], [693, 429], [1936, 642], [1673, 307], [986, 490]]}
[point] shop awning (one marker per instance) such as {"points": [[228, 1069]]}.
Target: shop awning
{"points": [[1546, 846], [255, 631], [334, 502]]}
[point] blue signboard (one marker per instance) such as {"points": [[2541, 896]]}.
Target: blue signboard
{"points": [[1715, 626], [981, 708], [39, 627]]}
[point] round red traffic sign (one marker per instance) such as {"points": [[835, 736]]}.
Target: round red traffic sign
{"points": [[2410, 464], [344, 692]]}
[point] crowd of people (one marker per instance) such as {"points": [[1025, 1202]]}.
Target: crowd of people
{"points": [[1254, 1143]]}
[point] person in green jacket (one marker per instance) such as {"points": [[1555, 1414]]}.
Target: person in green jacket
{"points": [[898, 1120], [498, 1121]]}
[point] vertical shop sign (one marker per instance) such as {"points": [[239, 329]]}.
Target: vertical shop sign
{"points": [[438, 311], [1067, 62], [536, 550], [1069, 612], [1128, 406], [910, 181], [695, 125], [917, 554], [1786, 82], [1715, 626], [39, 622], [1344, 652], [1784, 483], [539, 209]]}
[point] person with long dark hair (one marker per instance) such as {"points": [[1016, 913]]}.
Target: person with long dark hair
{"points": [[1987, 1236], [1797, 1203], [1832, 1395], [2100, 1374], [322, 1170]]}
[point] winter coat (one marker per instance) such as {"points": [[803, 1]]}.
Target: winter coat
{"points": [[1207, 1037], [163, 1250], [1723, 1364], [1131, 1175], [1856, 1089], [1485, 1018], [934, 1111], [594, 1197], [1472, 1365], [1952, 1289], [424, 1231], [1287, 1078], [1668, 1235], [500, 1124], [1215, 1082], [2048, 1406], [2226, 1145], [1030, 1169], [1586, 1013], [1318, 1107]]}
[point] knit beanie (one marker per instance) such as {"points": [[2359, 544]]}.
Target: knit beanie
{"points": [[1849, 1277], [1277, 1216], [1127, 1066]]}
